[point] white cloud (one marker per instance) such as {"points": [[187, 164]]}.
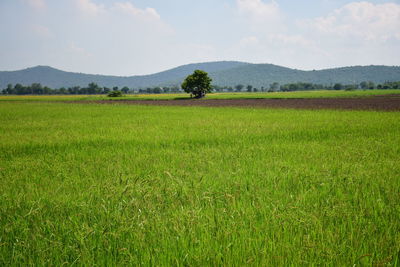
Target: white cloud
{"points": [[89, 8], [363, 20], [147, 19], [358, 33], [129, 8], [265, 16], [124, 14], [37, 4], [258, 9]]}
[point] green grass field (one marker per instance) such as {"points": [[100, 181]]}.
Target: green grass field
{"points": [[194, 186], [299, 94]]}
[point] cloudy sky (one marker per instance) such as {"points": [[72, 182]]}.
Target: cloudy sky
{"points": [[127, 37]]}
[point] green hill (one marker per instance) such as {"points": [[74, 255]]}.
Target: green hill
{"points": [[224, 73], [55, 78], [265, 74]]}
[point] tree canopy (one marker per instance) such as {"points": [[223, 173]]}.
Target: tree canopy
{"points": [[197, 84]]}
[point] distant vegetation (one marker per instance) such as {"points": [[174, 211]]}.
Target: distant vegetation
{"points": [[93, 88], [225, 74], [115, 93]]}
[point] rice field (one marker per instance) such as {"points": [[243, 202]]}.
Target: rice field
{"points": [[196, 186]]}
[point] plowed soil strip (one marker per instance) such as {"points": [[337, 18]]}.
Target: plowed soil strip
{"points": [[391, 103]]}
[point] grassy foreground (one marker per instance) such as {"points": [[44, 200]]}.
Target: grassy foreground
{"points": [[242, 95], [148, 185]]}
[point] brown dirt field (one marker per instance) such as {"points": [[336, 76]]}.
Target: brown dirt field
{"points": [[384, 103]]}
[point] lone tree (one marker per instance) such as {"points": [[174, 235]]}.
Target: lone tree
{"points": [[197, 84]]}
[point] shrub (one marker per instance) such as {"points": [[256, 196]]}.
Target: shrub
{"points": [[115, 93]]}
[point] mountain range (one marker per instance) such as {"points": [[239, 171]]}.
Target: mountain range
{"points": [[223, 73]]}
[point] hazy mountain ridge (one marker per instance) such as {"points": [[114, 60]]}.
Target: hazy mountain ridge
{"points": [[265, 74], [55, 78], [224, 73]]}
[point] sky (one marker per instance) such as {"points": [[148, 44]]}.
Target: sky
{"points": [[135, 37]]}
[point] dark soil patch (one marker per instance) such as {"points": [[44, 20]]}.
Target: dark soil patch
{"points": [[388, 95], [388, 103]]}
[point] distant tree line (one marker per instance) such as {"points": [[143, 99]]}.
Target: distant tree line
{"points": [[90, 89], [93, 88], [301, 86], [159, 90]]}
